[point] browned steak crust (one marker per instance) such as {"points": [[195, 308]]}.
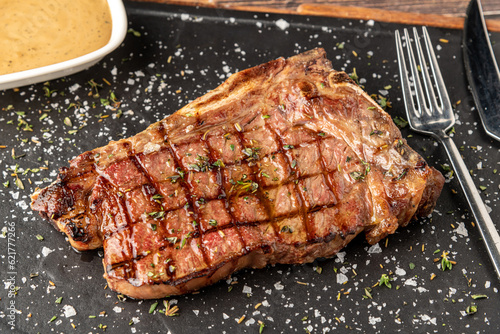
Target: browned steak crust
{"points": [[283, 163]]}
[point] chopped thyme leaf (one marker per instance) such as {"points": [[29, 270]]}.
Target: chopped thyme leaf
{"points": [[19, 183], [411, 265], [134, 32], [231, 147], [401, 175], [286, 229], [170, 311], [368, 295], [261, 328], [153, 227], [376, 132], [153, 307], [294, 163], [354, 76], [219, 163], [385, 280], [400, 122], [53, 318], [446, 168], [265, 116], [479, 296], [472, 309], [59, 300], [172, 240], [39, 237], [321, 134], [156, 214], [357, 176], [264, 174], [157, 197], [288, 147], [445, 262], [212, 222]]}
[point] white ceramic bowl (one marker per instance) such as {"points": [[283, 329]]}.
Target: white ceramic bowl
{"points": [[41, 74]]}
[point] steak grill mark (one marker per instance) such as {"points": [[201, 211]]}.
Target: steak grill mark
{"points": [[193, 206]]}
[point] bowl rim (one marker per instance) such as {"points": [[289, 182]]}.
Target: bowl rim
{"points": [[118, 32]]}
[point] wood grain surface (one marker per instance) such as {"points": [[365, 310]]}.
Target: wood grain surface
{"points": [[440, 13]]}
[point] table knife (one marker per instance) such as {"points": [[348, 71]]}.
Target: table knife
{"points": [[482, 69]]}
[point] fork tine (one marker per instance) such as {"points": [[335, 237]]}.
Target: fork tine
{"points": [[405, 80], [436, 72], [431, 96], [419, 93]]}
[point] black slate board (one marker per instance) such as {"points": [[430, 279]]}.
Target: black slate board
{"points": [[181, 53]]}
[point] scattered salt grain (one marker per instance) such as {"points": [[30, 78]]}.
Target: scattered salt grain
{"points": [[400, 272], [69, 311], [247, 289], [374, 249], [46, 251], [340, 257], [117, 309], [411, 282], [282, 24], [461, 230], [373, 320], [341, 278], [279, 286]]}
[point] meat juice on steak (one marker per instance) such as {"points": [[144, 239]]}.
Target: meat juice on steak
{"points": [[284, 162]]}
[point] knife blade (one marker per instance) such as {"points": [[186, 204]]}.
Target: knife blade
{"points": [[482, 69]]}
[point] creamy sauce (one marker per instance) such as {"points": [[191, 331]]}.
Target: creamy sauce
{"points": [[35, 33]]}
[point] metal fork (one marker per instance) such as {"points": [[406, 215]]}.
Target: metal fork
{"points": [[434, 117]]}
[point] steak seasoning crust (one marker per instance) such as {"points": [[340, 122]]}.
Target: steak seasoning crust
{"points": [[284, 162]]}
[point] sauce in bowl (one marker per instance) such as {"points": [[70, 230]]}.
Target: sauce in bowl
{"points": [[36, 33]]}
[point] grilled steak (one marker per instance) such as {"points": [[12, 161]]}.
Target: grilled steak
{"points": [[283, 163]]}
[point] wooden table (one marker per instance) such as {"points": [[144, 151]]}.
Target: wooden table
{"points": [[439, 13]]}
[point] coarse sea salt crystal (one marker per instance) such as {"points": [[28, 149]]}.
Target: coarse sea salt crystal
{"points": [[411, 282], [373, 320], [279, 286], [117, 309], [340, 257], [375, 249], [400, 272], [462, 230], [46, 251], [282, 24], [341, 278], [69, 311], [247, 289]]}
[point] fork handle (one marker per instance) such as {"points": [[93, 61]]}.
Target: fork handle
{"points": [[483, 219]]}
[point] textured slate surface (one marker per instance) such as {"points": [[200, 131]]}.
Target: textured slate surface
{"points": [[181, 53]]}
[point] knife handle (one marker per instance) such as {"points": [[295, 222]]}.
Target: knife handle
{"points": [[486, 227]]}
